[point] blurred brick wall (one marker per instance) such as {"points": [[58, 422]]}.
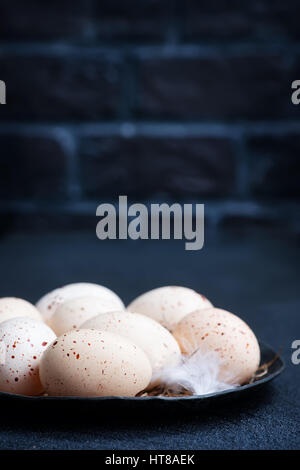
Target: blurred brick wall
{"points": [[165, 100]]}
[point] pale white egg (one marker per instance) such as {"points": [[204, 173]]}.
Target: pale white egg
{"points": [[12, 307], [155, 340], [22, 343], [169, 304], [217, 331], [71, 314], [94, 363], [49, 302]]}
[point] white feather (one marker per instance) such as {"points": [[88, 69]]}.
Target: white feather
{"points": [[197, 373]]}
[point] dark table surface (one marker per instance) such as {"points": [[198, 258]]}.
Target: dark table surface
{"points": [[253, 274]]}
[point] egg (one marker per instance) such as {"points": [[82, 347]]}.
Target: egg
{"points": [[49, 303], [219, 331], [155, 340], [168, 305], [94, 363], [12, 307], [73, 313], [22, 341]]}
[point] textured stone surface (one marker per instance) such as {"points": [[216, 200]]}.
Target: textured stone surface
{"points": [[60, 87], [254, 87], [144, 167], [32, 167], [275, 166], [256, 276]]}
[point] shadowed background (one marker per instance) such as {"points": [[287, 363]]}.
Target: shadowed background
{"points": [[162, 101], [167, 100]]}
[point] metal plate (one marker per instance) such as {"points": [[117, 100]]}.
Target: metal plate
{"points": [[130, 403]]}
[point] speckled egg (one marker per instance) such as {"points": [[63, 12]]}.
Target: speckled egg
{"points": [[155, 340], [216, 330], [94, 363], [48, 304], [12, 307], [168, 305], [73, 313], [22, 343]]}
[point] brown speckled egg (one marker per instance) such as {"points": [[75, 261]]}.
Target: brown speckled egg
{"points": [[168, 305], [94, 363], [73, 313], [22, 343], [12, 307], [219, 331], [49, 303], [155, 340]]}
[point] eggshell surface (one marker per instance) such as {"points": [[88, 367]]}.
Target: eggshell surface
{"points": [[168, 305], [73, 313], [22, 343], [216, 330], [13, 307], [94, 363], [48, 304], [155, 340]]}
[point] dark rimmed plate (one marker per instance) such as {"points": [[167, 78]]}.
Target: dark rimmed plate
{"points": [[115, 403]]}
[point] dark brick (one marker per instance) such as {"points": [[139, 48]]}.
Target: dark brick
{"points": [[34, 19], [244, 221], [146, 167], [133, 19], [32, 167], [260, 20], [275, 166], [44, 220], [84, 19], [216, 88], [59, 88]]}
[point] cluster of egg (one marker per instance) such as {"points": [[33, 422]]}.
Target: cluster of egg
{"points": [[79, 340]]}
